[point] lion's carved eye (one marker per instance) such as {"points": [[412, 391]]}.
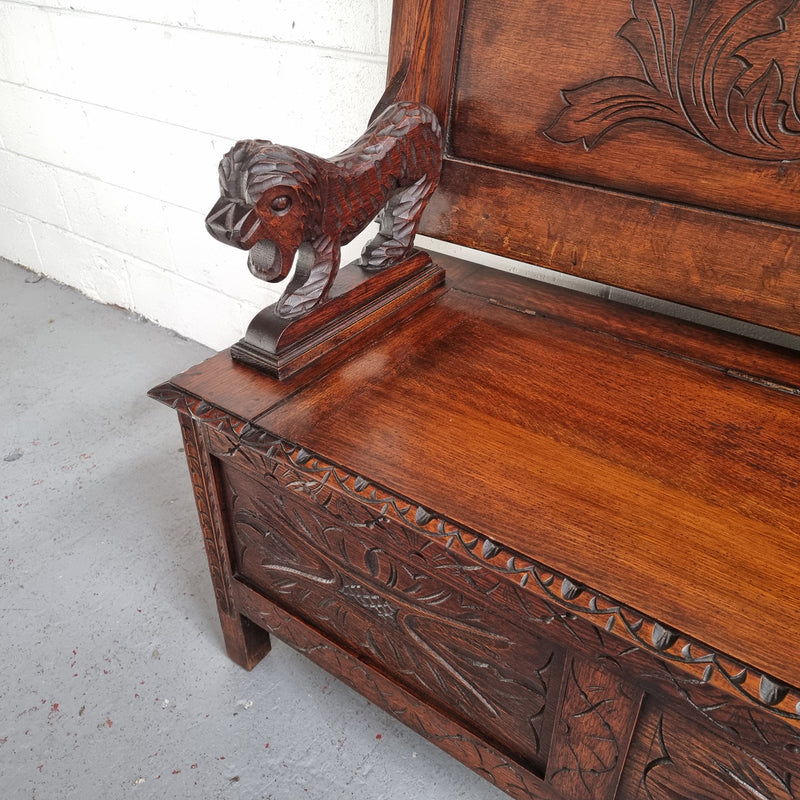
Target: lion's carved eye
{"points": [[281, 204]]}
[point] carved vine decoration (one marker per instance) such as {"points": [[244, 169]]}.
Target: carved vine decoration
{"points": [[753, 727], [715, 69], [217, 558], [278, 201], [597, 714], [736, 774], [488, 762], [643, 632], [649, 635]]}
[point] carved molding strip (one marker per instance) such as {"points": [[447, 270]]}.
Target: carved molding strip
{"points": [[217, 558], [714, 69], [184, 403], [704, 664]]}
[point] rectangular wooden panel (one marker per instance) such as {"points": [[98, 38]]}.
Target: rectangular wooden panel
{"points": [[460, 741], [674, 100], [596, 718], [440, 642], [651, 145], [617, 464], [673, 758]]}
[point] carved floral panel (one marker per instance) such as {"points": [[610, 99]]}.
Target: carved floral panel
{"points": [[672, 760], [723, 71], [440, 642]]}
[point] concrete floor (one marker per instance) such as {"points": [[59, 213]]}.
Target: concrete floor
{"points": [[114, 679]]}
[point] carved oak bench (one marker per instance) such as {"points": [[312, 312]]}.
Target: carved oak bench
{"points": [[555, 534]]}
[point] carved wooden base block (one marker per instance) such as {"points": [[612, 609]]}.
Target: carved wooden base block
{"points": [[361, 305]]}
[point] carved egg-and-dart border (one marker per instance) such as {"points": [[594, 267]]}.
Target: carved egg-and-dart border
{"points": [[645, 633]]}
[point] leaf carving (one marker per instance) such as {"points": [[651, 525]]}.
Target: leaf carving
{"points": [[596, 715], [594, 110], [711, 68], [676, 773]]}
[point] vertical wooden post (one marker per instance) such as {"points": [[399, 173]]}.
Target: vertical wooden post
{"points": [[245, 642]]}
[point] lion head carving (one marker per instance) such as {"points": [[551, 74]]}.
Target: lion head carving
{"points": [[269, 203]]}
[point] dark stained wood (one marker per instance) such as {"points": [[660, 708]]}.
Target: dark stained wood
{"points": [[361, 305], [628, 469], [626, 101], [301, 557], [422, 53], [596, 716], [245, 643], [650, 206], [576, 619], [279, 202], [454, 738], [670, 755], [556, 535], [677, 253], [736, 355]]}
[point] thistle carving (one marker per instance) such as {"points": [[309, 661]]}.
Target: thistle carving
{"points": [[278, 201], [715, 69]]}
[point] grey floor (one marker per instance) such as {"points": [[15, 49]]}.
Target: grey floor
{"points": [[113, 678]]}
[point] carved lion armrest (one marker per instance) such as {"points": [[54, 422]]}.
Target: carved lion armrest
{"points": [[285, 205]]}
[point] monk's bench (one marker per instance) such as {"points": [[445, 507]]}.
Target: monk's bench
{"points": [[557, 535]]}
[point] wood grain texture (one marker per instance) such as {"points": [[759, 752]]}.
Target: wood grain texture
{"points": [[361, 306], [672, 760], [652, 98], [425, 37], [694, 77], [555, 535], [750, 360], [723, 694], [733, 603], [245, 643], [627, 469], [356, 591], [279, 202], [597, 713], [459, 741], [650, 207], [674, 252]]}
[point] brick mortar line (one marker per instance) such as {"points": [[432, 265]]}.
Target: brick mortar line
{"points": [[228, 141], [335, 51], [104, 182], [133, 114]]}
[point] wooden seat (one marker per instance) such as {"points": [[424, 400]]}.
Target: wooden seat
{"points": [[627, 465]]}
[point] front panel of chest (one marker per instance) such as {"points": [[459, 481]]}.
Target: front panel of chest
{"points": [[559, 701], [341, 570]]}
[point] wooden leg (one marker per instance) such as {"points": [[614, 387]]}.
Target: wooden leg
{"points": [[245, 642]]}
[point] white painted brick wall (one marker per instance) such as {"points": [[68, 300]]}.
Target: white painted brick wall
{"points": [[115, 113]]}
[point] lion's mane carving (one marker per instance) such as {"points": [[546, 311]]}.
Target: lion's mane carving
{"points": [[276, 201]]}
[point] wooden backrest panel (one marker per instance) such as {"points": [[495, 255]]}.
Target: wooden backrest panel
{"points": [[652, 145]]}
